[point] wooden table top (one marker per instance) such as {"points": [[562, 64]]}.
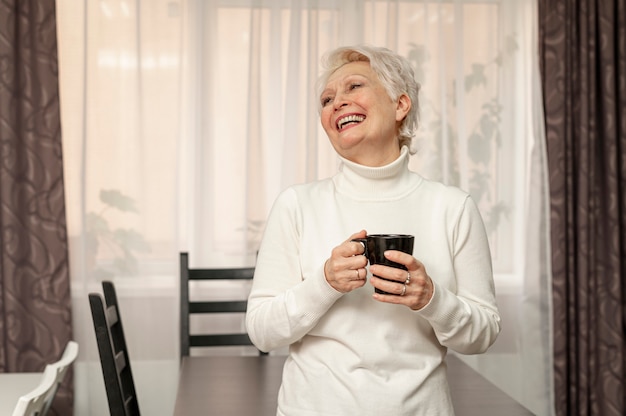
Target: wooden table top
{"points": [[248, 386]]}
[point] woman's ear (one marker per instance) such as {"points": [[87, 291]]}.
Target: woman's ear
{"points": [[403, 107]]}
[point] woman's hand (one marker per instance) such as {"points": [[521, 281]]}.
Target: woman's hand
{"points": [[345, 269], [413, 288]]}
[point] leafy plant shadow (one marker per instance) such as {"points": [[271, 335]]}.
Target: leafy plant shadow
{"points": [[121, 244], [484, 137]]}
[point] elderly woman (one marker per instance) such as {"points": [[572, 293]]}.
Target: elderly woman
{"points": [[353, 351]]}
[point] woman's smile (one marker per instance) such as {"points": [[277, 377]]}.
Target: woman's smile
{"points": [[349, 120]]}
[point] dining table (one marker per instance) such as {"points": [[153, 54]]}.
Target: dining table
{"points": [[248, 386], [13, 386]]}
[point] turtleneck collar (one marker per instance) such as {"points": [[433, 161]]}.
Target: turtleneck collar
{"points": [[376, 183]]}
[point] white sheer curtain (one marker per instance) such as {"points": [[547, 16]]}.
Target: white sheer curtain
{"points": [[183, 120]]}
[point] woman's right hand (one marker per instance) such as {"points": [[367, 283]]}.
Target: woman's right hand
{"points": [[345, 269]]}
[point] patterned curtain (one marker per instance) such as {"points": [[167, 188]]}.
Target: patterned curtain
{"points": [[583, 53], [35, 317]]}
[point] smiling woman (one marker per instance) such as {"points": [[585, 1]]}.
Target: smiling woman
{"points": [[204, 135], [311, 278]]}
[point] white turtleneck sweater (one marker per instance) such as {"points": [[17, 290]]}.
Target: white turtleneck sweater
{"points": [[348, 353]]}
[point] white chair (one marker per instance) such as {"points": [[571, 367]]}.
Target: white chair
{"points": [[60, 368], [33, 403], [38, 401]]}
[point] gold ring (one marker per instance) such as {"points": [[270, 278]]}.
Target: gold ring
{"points": [[403, 290]]}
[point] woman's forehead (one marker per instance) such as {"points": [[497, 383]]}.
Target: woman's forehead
{"points": [[350, 68]]}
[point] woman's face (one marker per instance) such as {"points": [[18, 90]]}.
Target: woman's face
{"points": [[359, 117]]}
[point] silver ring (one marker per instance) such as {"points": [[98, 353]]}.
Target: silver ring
{"points": [[408, 278], [403, 290], [357, 274]]}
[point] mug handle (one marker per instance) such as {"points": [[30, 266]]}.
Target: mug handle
{"points": [[363, 241]]}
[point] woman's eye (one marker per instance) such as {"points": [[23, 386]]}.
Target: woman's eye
{"points": [[354, 86], [325, 101]]}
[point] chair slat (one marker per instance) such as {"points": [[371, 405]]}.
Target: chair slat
{"points": [[216, 340], [218, 306], [244, 273]]}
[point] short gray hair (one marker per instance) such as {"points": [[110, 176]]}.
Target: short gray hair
{"points": [[395, 74]]}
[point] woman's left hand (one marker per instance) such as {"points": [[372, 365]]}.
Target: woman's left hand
{"points": [[413, 288]]}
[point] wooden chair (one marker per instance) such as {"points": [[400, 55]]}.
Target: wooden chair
{"points": [[38, 401], [189, 308], [114, 359]]}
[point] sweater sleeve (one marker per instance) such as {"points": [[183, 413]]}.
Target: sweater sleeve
{"points": [[282, 305], [466, 320]]}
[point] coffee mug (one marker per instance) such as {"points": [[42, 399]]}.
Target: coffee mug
{"points": [[376, 244]]}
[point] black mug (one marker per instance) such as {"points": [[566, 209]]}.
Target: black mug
{"points": [[376, 244]]}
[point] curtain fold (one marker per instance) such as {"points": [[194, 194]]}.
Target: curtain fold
{"points": [[35, 318], [184, 120], [583, 56]]}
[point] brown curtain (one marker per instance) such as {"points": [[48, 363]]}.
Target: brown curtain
{"points": [[35, 317], [583, 66]]}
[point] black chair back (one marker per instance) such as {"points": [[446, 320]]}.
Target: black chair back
{"points": [[114, 359], [188, 307]]}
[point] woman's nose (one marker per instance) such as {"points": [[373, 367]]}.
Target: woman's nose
{"points": [[340, 103]]}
